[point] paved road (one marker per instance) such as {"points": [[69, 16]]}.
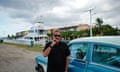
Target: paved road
{"points": [[13, 59]]}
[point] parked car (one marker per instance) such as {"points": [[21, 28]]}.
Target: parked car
{"points": [[91, 54]]}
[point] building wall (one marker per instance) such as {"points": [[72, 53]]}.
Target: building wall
{"points": [[72, 28], [22, 33], [83, 27], [78, 27]]}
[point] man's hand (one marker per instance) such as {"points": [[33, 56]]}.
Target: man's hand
{"points": [[53, 43]]}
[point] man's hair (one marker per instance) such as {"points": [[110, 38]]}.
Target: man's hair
{"points": [[56, 30]]}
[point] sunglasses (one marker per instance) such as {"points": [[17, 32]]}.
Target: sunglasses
{"points": [[57, 35]]}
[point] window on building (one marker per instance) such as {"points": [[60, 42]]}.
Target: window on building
{"points": [[41, 31], [36, 38]]}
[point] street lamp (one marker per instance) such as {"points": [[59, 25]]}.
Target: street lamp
{"points": [[90, 23], [90, 11]]}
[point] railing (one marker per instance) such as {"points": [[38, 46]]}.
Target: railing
{"points": [[27, 42]]}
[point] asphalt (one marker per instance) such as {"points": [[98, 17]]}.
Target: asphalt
{"points": [[14, 59]]}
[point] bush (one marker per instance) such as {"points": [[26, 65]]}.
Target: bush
{"points": [[1, 41]]}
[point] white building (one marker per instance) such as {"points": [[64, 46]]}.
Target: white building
{"points": [[37, 34]]}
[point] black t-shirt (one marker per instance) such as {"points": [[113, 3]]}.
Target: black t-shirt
{"points": [[57, 57]]}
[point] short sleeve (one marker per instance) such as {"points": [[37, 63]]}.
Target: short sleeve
{"points": [[67, 51]]}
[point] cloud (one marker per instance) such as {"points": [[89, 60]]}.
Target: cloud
{"points": [[18, 4], [26, 8], [21, 14], [60, 12]]}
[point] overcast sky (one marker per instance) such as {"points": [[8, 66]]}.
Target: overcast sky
{"points": [[19, 15]]}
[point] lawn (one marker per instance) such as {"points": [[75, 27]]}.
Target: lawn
{"points": [[38, 48]]}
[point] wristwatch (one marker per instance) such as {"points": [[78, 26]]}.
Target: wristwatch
{"points": [[51, 46]]}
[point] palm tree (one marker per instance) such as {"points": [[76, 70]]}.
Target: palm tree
{"points": [[49, 36], [66, 34], [99, 23]]}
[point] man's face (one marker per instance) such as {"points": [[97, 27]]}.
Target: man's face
{"points": [[57, 36]]}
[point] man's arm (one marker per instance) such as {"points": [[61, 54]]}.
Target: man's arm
{"points": [[67, 58], [47, 52], [48, 49], [67, 61]]}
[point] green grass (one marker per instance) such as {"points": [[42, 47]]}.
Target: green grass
{"points": [[38, 48]]}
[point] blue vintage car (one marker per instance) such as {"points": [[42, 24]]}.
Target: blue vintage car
{"points": [[91, 54]]}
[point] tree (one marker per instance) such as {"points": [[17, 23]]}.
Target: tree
{"points": [[49, 35], [8, 36], [12, 37], [99, 23], [66, 34], [109, 30]]}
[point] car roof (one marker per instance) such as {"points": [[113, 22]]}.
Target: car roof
{"points": [[115, 40]]}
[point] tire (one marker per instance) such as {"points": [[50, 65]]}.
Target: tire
{"points": [[40, 69]]}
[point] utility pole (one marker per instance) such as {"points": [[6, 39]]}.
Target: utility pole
{"points": [[90, 11]]}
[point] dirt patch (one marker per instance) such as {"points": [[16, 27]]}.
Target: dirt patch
{"points": [[13, 59]]}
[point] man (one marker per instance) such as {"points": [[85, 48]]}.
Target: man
{"points": [[57, 52]]}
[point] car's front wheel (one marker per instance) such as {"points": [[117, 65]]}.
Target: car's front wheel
{"points": [[40, 69]]}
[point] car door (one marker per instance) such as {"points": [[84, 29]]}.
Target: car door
{"points": [[105, 58], [77, 62]]}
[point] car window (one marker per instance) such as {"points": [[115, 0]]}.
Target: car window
{"points": [[78, 50], [106, 55]]}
